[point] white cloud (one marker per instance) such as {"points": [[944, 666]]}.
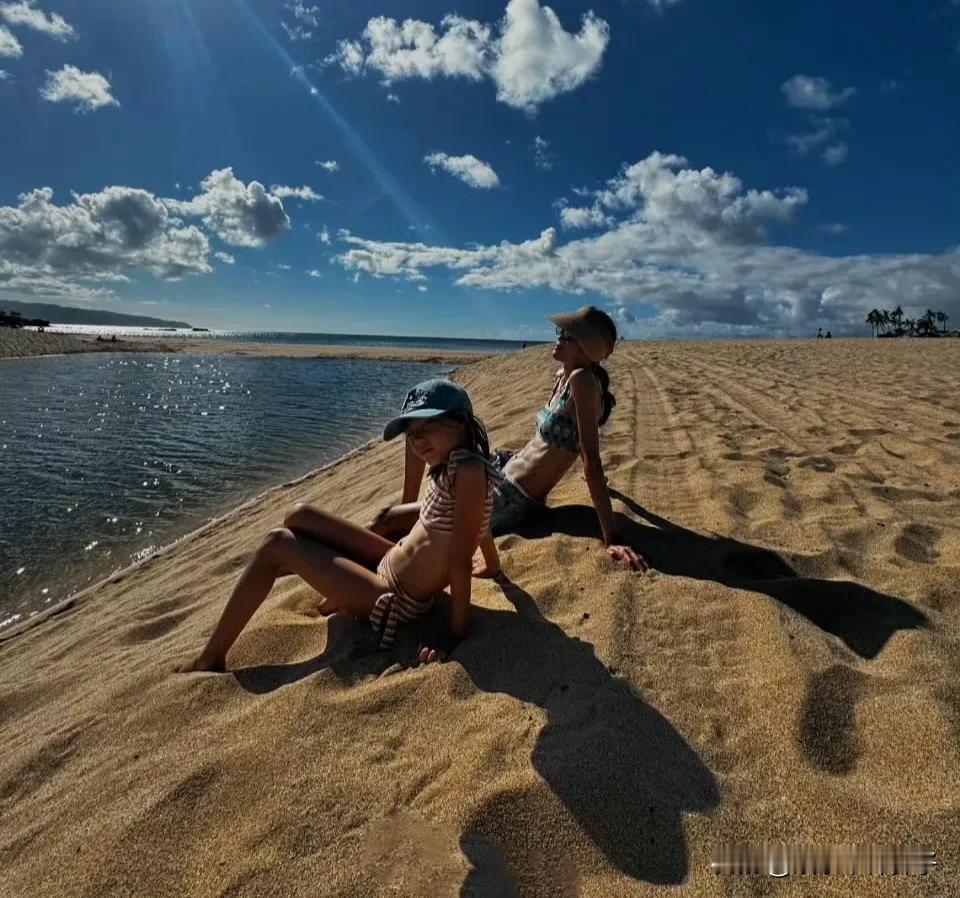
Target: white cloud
{"points": [[422, 289], [24, 13], [239, 214], [53, 250], [823, 130], [660, 5], [307, 15], [46, 248], [807, 92], [324, 235], [542, 158], [4, 75], [283, 267], [9, 45], [835, 154], [393, 98], [89, 90], [467, 168], [330, 165], [531, 60], [537, 60], [573, 217], [297, 193], [296, 32], [692, 243], [314, 273], [833, 227]]}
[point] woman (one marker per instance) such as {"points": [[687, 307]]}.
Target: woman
{"points": [[567, 428]]}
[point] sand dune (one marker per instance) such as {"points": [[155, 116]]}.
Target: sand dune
{"points": [[787, 673]]}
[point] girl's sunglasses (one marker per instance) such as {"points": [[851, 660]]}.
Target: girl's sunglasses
{"points": [[563, 336]]}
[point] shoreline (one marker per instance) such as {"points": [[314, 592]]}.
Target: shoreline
{"points": [[20, 345], [81, 596]]}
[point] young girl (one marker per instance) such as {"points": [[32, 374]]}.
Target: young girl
{"points": [[567, 429], [367, 575]]}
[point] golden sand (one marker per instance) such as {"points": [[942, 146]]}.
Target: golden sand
{"points": [[16, 344], [788, 672]]}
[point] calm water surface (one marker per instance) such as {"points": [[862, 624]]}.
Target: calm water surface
{"points": [[104, 459]]}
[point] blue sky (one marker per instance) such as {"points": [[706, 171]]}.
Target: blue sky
{"points": [[695, 168]]}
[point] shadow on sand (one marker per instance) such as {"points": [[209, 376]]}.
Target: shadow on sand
{"points": [[621, 770], [862, 618]]}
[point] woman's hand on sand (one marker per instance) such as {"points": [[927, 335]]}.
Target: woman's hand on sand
{"points": [[636, 561]]}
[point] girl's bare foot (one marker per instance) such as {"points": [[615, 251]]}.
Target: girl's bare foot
{"points": [[325, 607], [200, 663]]}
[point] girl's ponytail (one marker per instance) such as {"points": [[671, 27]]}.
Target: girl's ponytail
{"points": [[608, 399]]}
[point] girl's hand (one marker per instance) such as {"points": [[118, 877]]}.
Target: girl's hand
{"points": [[636, 561], [482, 571], [439, 649]]}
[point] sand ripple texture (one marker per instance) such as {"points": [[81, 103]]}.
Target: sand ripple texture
{"points": [[787, 673]]}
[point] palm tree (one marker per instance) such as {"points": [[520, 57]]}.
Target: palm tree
{"points": [[896, 317], [885, 319], [942, 318], [874, 319]]}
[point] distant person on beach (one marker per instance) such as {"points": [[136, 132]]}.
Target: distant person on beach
{"points": [[568, 427], [362, 573]]}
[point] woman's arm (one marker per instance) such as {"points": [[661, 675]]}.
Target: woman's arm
{"points": [[413, 467], [583, 386], [491, 558]]}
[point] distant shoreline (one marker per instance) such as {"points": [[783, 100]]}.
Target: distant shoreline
{"points": [[31, 344]]}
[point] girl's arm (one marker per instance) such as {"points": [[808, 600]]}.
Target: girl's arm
{"points": [[587, 401], [469, 490], [413, 467]]}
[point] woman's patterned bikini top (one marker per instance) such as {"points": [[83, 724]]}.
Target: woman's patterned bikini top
{"points": [[554, 426]]}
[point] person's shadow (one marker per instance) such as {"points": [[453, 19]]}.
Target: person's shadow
{"points": [[862, 618], [623, 772]]}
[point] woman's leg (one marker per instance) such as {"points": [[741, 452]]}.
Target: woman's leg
{"points": [[395, 521], [350, 585]]}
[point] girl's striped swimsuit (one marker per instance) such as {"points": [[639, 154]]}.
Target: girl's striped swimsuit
{"points": [[436, 514]]}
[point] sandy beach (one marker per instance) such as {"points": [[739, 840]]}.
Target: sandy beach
{"points": [[29, 343], [787, 672]]}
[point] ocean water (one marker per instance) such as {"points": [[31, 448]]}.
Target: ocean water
{"points": [[105, 458], [457, 344]]}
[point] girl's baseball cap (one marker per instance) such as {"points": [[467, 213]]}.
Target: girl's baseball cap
{"points": [[430, 399]]}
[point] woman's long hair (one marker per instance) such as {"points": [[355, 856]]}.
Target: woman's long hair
{"points": [[608, 399], [477, 439]]}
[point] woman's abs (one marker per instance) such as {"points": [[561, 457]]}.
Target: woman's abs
{"points": [[537, 468]]}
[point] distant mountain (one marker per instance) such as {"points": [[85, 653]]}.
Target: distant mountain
{"points": [[73, 315]]}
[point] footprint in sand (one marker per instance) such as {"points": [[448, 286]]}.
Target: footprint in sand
{"points": [[231, 564], [819, 463], [152, 629], [828, 735], [918, 542]]}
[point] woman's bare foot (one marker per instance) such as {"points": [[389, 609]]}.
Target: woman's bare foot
{"points": [[200, 663]]}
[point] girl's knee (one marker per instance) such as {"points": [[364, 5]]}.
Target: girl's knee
{"points": [[297, 515], [276, 543]]}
